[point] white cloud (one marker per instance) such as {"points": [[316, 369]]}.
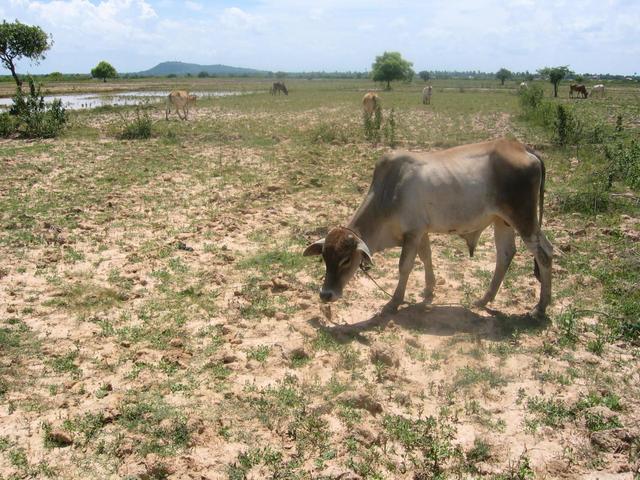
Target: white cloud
{"points": [[336, 34], [236, 18], [195, 6]]}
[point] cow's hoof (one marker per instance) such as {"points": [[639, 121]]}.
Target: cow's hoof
{"points": [[481, 303], [391, 307], [428, 296], [538, 312]]}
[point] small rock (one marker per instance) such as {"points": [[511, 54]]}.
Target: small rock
{"points": [[613, 440], [441, 281], [60, 438], [176, 342], [280, 316], [228, 358], [381, 353], [280, 285], [336, 472], [297, 352], [253, 364], [361, 400]]}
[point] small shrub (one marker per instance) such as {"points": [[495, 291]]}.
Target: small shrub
{"points": [[390, 130], [139, 128], [624, 163], [531, 98], [590, 198], [33, 117], [372, 124], [428, 443], [8, 125], [567, 128], [328, 133]]}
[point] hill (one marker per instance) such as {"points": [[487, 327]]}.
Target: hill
{"points": [[181, 68]]}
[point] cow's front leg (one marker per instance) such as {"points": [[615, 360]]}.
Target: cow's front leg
{"points": [[505, 250], [424, 252], [407, 259]]}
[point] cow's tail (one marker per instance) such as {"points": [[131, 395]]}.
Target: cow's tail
{"points": [[543, 175]]}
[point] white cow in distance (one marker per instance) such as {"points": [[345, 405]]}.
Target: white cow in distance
{"points": [[599, 89], [426, 95], [179, 100]]}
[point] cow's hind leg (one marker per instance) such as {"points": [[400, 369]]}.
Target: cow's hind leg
{"points": [[505, 250], [424, 252], [407, 259], [542, 251]]}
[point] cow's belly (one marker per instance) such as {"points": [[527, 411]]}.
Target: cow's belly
{"points": [[456, 200]]}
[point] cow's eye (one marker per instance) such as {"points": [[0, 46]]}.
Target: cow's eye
{"points": [[344, 262]]}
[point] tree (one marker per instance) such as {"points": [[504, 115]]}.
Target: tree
{"points": [[555, 75], [502, 75], [104, 70], [424, 75], [17, 41], [391, 66]]}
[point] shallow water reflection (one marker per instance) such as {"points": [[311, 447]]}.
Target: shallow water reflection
{"points": [[73, 101]]}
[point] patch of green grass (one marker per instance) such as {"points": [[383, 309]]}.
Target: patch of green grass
{"points": [[84, 297], [88, 424], [66, 364], [550, 412], [163, 426], [428, 443], [259, 353], [271, 260], [469, 376]]}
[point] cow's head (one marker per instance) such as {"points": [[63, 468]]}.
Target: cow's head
{"points": [[343, 252]]}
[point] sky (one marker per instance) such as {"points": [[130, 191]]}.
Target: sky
{"points": [[594, 36]]}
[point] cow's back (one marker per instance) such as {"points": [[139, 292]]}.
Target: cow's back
{"points": [[178, 98], [458, 189]]}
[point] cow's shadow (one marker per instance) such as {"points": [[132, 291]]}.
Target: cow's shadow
{"points": [[439, 320]]}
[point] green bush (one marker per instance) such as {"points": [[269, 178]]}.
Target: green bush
{"points": [[531, 98], [567, 128], [8, 125], [138, 128], [33, 117], [372, 124], [624, 163], [328, 133], [590, 198], [390, 130]]}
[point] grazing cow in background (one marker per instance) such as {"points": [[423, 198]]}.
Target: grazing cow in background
{"points": [[278, 87], [599, 89], [460, 191], [179, 99], [524, 86], [426, 95], [579, 88], [370, 102]]}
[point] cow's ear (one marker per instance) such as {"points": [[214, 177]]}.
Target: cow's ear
{"points": [[314, 249], [366, 254]]}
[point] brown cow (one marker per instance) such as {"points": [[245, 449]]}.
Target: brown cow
{"points": [[581, 89], [278, 87], [370, 102], [459, 191], [179, 99]]}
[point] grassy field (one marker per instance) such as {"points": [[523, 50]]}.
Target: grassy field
{"points": [[157, 319]]}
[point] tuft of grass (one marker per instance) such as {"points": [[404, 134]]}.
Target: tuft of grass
{"points": [[163, 427], [260, 353], [469, 376]]}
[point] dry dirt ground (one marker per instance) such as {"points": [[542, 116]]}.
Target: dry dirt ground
{"points": [[157, 319]]}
